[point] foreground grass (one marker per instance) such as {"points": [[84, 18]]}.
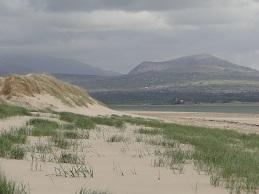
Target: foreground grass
{"points": [[8, 111], [86, 122], [42, 127], [88, 191], [10, 144], [230, 158], [11, 187]]}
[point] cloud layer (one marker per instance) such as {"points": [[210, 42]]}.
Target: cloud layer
{"points": [[119, 34]]}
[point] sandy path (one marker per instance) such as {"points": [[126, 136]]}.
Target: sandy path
{"points": [[245, 123]]}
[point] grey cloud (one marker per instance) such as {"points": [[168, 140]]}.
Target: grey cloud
{"points": [[117, 34], [130, 5]]}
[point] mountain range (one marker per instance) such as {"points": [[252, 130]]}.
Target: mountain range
{"points": [[24, 64], [196, 78], [202, 63], [192, 79]]}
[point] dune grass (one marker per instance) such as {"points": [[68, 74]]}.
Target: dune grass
{"points": [[117, 138], [11, 187], [87, 122], [69, 158], [230, 158], [9, 110], [79, 121], [42, 127], [89, 191], [61, 142], [9, 144]]}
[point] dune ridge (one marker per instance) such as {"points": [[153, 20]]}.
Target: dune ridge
{"points": [[41, 91]]}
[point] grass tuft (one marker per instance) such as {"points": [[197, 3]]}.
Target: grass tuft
{"points": [[89, 191], [9, 110], [69, 158], [11, 187], [61, 142], [79, 121], [9, 144], [117, 138], [43, 127], [17, 153]]}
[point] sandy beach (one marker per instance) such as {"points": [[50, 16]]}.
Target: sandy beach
{"points": [[245, 123]]}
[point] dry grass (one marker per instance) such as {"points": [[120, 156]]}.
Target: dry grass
{"points": [[34, 84]]}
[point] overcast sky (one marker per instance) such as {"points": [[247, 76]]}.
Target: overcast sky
{"points": [[119, 34]]}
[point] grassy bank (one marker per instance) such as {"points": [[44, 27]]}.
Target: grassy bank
{"points": [[8, 111]]}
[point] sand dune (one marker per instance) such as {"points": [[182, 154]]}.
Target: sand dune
{"points": [[40, 91]]}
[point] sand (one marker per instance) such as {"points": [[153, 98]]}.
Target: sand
{"points": [[46, 101], [13, 122], [120, 168], [41, 91], [244, 123]]}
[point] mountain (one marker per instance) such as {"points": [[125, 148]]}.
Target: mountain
{"points": [[40, 91], [196, 78], [203, 63], [24, 64]]}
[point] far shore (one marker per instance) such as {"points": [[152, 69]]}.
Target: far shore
{"points": [[246, 108], [194, 104]]}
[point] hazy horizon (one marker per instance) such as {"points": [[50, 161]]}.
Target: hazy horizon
{"points": [[119, 34]]}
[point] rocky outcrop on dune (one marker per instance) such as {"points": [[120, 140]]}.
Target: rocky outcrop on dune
{"points": [[40, 91]]}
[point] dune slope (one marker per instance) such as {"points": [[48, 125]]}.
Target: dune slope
{"points": [[41, 91]]}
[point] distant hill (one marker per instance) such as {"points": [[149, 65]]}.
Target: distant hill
{"points": [[203, 63], [23, 64], [196, 78]]}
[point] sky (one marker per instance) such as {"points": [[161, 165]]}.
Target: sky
{"points": [[119, 34]]}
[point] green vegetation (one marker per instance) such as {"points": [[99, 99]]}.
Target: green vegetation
{"points": [[72, 135], [61, 142], [88, 191], [149, 131], [17, 153], [109, 121], [9, 142], [41, 148], [79, 121], [69, 158], [116, 138], [86, 122], [229, 157], [10, 187], [9, 110], [43, 127], [59, 134]]}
